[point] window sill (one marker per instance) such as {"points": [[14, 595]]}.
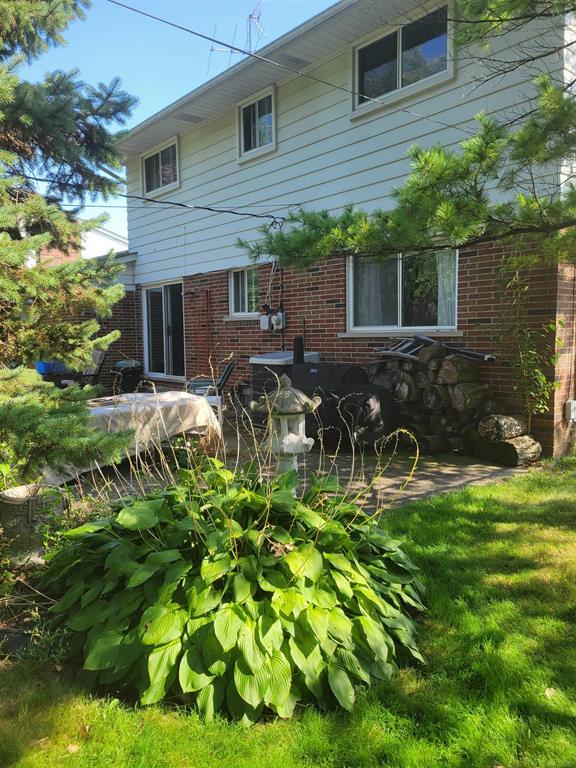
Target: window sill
{"points": [[241, 318], [388, 99], [256, 153], [162, 190], [400, 333]]}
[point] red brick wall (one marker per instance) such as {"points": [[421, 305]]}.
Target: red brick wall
{"points": [[315, 305], [126, 319]]}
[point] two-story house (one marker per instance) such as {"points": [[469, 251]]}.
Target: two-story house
{"points": [[259, 139]]}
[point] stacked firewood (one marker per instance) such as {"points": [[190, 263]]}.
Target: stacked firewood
{"points": [[442, 402]]}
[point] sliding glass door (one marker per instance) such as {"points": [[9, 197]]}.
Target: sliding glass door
{"points": [[165, 329]]}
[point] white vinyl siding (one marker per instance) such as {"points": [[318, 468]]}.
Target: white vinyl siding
{"points": [[324, 160]]}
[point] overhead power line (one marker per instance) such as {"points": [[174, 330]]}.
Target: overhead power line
{"points": [[272, 218], [286, 67]]}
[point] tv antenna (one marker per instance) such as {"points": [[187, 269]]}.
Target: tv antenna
{"points": [[254, 33]]}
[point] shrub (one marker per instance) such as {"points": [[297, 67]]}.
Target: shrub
{"points": [[231, 593]]}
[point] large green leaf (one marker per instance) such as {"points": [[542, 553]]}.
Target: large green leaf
{"points": [[161, 671], [202, 599], [286, 709], [211, 570], [192, 674], [163, 557], [351, 661], [242, 588], [161, 624], [339, 626], [251, 685], [305, 561], [375, 636], [340, 684], [89, 616], [87, 528], [280, 678], [270, 633], [307, 657], [248, 644], [104, 651], [227, 624], [142, 574], [283, 501], [140, 516], [318, 620]]}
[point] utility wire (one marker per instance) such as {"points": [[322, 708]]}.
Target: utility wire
{"points": [[275, 221], [295, 71]]}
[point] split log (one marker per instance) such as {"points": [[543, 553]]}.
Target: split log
{"points": [[466, 396], [510, 453], [488, 407], [406, 390], [424, 377], [456, 369], [433, 351], [499, 427], [442, 424], [436, 398], [409, 366]]}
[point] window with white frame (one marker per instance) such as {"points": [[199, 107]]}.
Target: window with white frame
{"points": [[244, 291], [164, 329], [415, 291], [161, 169], [256, 121], [412, 53]]}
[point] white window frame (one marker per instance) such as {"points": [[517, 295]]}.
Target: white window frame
{"points": [[266, 148], [144, 304], [383, 329], [167, 187], [231, 308], [400, 93]]}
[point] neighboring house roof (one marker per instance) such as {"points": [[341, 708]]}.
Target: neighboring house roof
{"points": [[100, 241], [320, 38]]}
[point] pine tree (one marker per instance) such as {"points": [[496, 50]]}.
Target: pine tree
{"points": [[58, 130]]}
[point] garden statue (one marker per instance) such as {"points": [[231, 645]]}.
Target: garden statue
{"points": [[286, 408]]}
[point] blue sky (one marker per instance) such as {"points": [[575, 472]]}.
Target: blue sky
{"points": [[156, 63]]}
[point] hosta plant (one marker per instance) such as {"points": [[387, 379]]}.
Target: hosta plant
{"points": [[230, 593]]}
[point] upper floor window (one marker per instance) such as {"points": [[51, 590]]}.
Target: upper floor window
{"points": [[161, 169], [257, 130], [244, 291], [415, 291], [412, 53]]}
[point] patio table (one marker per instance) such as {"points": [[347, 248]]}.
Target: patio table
{"points": [[153, 418]]}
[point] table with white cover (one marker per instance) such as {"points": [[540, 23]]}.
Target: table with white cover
{"points": [[153, 418]]}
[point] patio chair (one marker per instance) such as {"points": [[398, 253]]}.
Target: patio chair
{"points": [[212, 390], [89, 375]]}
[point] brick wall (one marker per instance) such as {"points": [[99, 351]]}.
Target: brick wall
{"points": [[126, 319], [315, 305]]}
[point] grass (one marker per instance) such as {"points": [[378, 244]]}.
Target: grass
{"points": [[499, 689]]}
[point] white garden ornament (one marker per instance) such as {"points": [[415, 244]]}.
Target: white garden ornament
{"points": [[286, 408]]}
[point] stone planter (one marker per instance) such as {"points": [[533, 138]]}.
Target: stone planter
{"points": [[21, 511]]}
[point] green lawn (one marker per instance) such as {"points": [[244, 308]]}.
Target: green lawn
{"points": [[499, 689]]}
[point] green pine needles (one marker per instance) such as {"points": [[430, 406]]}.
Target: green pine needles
{"points": [[229, 593]]}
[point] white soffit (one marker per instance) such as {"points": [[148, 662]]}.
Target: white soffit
{"points": [[322, 37]]}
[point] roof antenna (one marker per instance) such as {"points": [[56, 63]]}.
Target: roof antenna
{"points": [[254, 32]]}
